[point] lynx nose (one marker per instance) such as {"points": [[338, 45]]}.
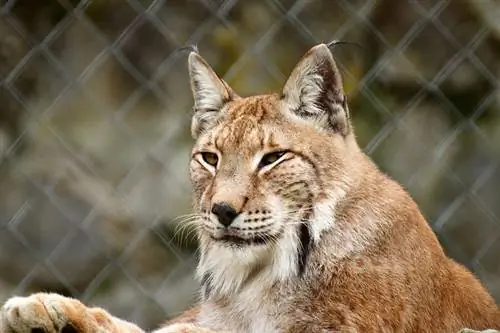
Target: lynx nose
{"points": [[225, 213]]}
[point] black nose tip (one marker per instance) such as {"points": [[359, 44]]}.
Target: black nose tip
{"points": [[225, 213]]}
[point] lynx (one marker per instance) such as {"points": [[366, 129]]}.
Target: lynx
{"points": [[298, 229]]}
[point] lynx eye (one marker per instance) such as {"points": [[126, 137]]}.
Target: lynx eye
{"points": [[271, 158], [210, 158]]}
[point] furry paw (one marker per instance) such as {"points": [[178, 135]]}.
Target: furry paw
{"points": [[52, 313]]}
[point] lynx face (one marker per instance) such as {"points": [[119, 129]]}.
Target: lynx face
{"points": [[263, 169], [251, 181]]}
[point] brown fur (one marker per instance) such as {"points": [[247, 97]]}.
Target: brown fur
{"points": [[359, 256]]}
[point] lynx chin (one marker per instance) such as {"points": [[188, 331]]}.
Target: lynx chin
{"points": [[298, 230]]}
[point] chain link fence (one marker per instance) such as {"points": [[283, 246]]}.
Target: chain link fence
{"points": [[94, 128]]}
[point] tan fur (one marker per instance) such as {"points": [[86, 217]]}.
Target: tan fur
{"points": [[345, 248]]}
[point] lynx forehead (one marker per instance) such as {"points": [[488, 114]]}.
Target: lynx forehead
{"points": [[245, 126]]}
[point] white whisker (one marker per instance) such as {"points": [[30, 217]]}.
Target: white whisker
{"points": [[187, 223]]}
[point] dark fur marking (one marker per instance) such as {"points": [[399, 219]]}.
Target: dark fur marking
{"points": [[305, 247], [206, 283], [245, 201]]}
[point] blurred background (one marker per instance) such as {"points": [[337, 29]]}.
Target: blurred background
{"points": [[94, 128]]}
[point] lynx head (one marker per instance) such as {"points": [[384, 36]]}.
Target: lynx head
{"points": [[267, 170]]}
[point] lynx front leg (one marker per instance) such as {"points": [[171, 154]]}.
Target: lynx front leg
{"points": [[52, 313]]}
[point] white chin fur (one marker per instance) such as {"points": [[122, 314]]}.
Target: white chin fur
{"points": [[228, 268]]}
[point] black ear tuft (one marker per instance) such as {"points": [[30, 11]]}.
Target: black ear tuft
{"points": [[188, 48]]}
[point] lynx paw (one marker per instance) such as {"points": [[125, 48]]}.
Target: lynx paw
{"points": [[52, 313]]}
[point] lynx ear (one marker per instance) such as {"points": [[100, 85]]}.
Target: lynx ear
{"points": [[314, 91], [210, 93]]}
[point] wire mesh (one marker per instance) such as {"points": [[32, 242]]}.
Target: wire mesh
{"points": [[94, 129]]}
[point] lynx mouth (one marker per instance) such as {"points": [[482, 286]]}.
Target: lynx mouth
{"points": [[232, 240]]}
